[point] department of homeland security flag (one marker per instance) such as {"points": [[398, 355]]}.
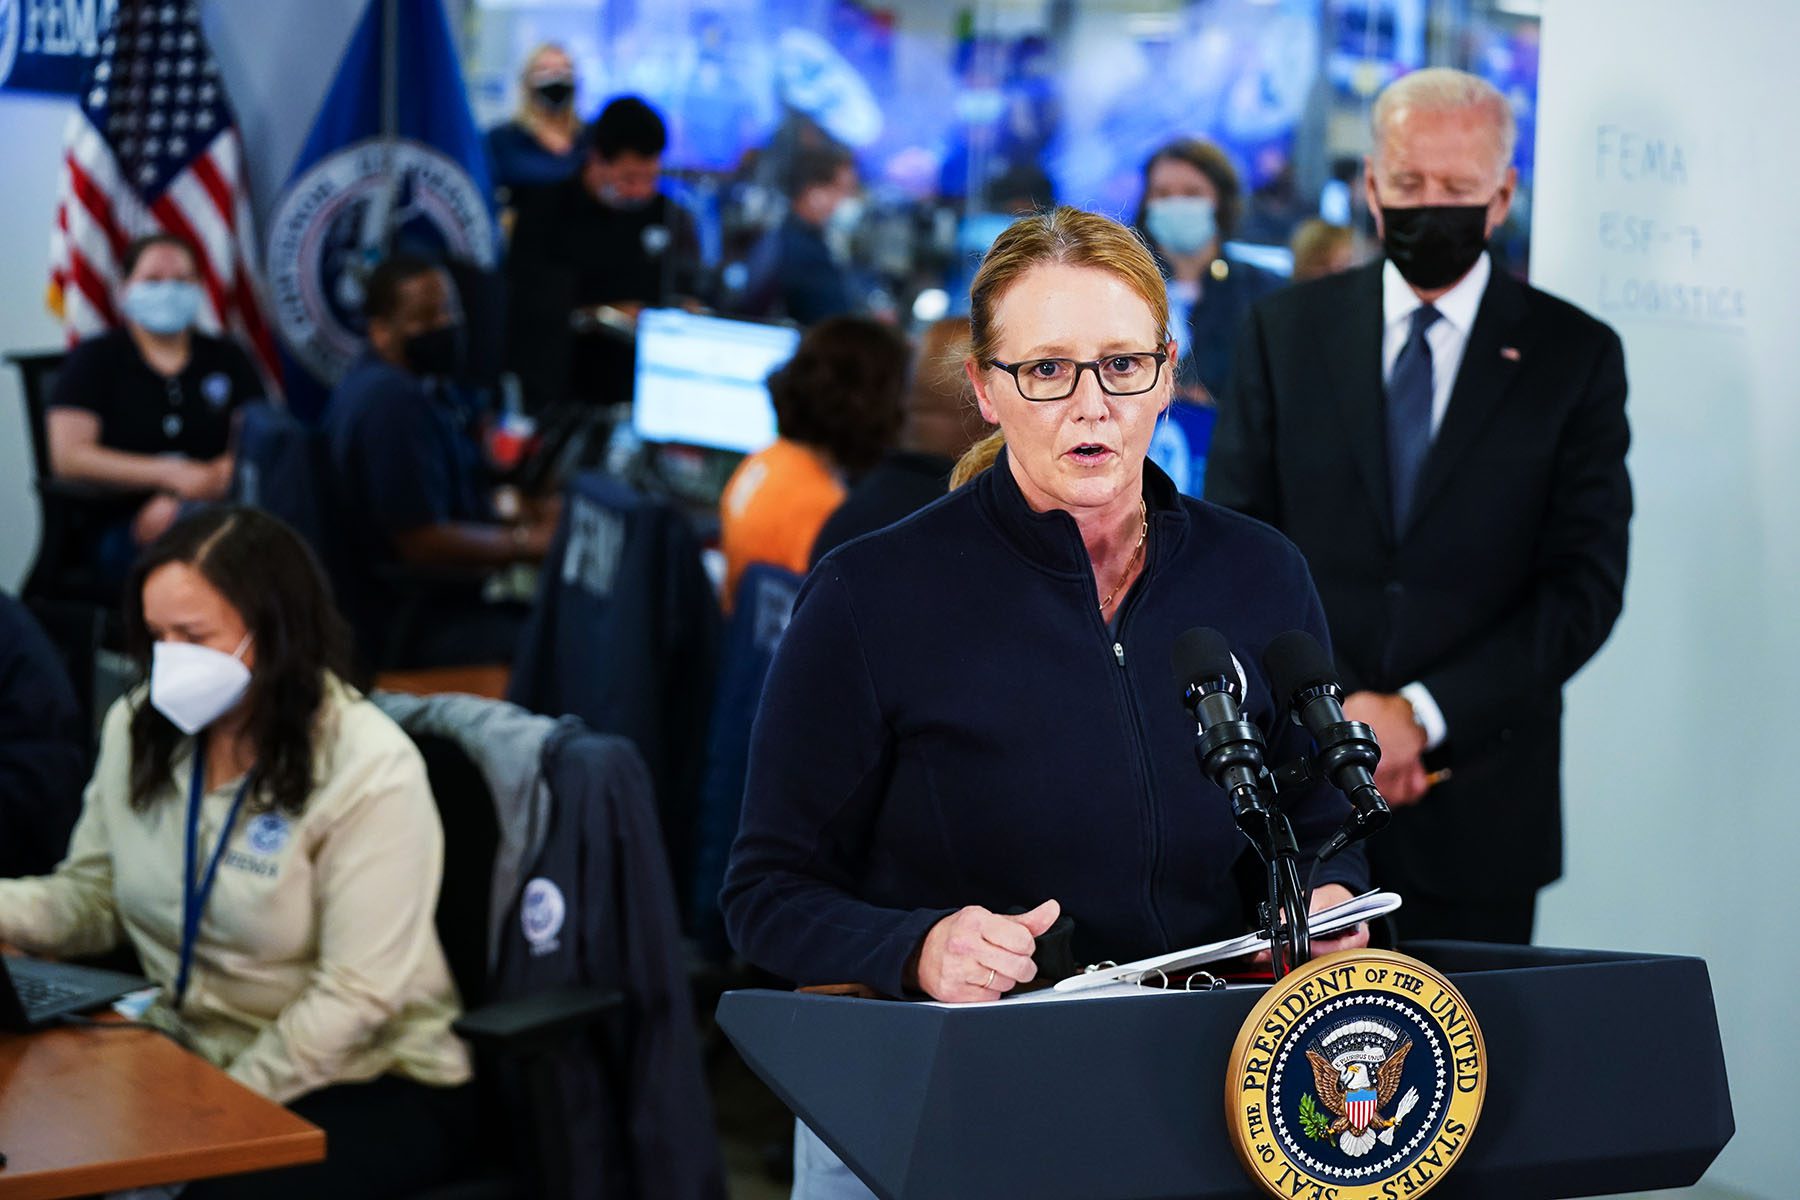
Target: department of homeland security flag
{"points": [[356, 194], [153, 148]]}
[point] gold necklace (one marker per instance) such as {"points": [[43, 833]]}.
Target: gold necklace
{"points": [[1143, 532]]}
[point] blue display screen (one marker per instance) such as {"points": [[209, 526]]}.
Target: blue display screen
{"points": [[702, 381]]}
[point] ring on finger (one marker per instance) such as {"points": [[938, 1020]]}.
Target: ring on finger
{"points": [[992, 972]]}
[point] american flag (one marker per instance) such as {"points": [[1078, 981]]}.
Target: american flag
{"points": [[155, 147]]}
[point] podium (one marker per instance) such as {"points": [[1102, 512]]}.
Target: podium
{"points": [[1605, 1075]]}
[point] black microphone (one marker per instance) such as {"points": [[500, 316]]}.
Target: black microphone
{"points": [[1301, 674], [1230, 749]]}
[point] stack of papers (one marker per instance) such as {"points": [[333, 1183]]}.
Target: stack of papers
{"points": [[1325, 922], [1108, 991]]}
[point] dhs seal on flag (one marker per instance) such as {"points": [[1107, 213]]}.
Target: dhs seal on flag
{"points": [[1357, 1077], [331, 227]]}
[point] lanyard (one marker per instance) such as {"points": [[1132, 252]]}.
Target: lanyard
{"points": [[194, 895]]}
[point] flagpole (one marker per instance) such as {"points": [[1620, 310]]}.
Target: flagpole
{"points": [[390, 69], [390, 111]]}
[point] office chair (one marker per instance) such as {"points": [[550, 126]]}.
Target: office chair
{"points": [[763, 604], [624, 634], [513, 1041], [559, 923], [64, 590], [77, 632], [286, 468], [72, 513]]}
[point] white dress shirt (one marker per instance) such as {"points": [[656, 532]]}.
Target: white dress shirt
{"points": [[1447, 337]]}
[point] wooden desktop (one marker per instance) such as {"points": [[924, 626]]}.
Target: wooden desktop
{"points": [[86, 1110]]}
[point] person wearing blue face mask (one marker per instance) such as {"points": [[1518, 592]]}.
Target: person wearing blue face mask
{"points": [[147, 409], [1190, 208]]}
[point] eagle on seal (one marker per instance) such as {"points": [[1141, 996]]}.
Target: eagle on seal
{"points": [[1356, 1101]]}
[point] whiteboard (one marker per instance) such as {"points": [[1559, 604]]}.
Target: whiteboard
{"points": [[1668, 204]]}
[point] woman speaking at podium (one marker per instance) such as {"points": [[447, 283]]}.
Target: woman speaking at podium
{"points": [[971, 727]]}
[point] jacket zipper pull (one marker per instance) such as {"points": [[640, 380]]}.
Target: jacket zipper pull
{"points": [[1119, 652]]}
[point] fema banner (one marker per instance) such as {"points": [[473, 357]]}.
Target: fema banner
{"points": [[51, 45], [356, 194]]}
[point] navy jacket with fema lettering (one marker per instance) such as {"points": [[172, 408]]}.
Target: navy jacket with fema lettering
{"points": [[948, 721], [624, 633]]}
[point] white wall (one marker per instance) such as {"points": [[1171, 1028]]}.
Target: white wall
{"points": [[1666, 160], [31, 131]]}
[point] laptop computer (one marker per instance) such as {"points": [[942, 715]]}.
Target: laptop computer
{"points": [[36, 994]]}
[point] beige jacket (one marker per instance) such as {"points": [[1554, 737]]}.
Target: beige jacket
{"points": [[318, 961]]}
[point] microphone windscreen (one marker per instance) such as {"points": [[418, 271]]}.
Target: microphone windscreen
{"points": [[1202, 653], [1295, 660]]}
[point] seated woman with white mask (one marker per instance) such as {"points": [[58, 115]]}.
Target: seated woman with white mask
{"points": [[266, 841]]}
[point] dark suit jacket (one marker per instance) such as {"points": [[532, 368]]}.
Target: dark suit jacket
{"points": [[570, 251], [1509, 575]]}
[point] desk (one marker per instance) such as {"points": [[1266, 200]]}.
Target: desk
{"points": [[92, 1110], [487, 681]]}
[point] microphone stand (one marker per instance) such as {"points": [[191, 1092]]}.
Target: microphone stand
{"points": [[1267, 828], [1284, 914], [1285, 895]]}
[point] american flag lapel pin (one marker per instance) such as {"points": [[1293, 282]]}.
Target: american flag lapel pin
{"points": [[1509, 353]]}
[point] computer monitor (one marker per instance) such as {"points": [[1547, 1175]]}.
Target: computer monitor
{"points": [[700, 380]]}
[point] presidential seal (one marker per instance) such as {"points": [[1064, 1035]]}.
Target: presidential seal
{"points": [[334, 223], [1357, 1077]]}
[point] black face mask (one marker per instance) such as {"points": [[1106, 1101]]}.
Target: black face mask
{"points": [[1434, 245], [437, 352], [555, 94]]}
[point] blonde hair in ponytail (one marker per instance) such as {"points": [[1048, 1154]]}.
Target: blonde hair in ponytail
{"points": [[977, 458], [1069, 236]]}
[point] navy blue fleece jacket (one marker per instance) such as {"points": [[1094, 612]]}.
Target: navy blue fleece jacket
{"points": [[948, 721]]}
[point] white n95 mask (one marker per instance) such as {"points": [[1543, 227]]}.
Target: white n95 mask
{"points": [[193, 685]]}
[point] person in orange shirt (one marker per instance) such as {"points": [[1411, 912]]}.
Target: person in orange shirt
{"points": [[837, 410]]}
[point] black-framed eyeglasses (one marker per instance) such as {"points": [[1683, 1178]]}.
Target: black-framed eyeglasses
{"points": [[1057, 378]]}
